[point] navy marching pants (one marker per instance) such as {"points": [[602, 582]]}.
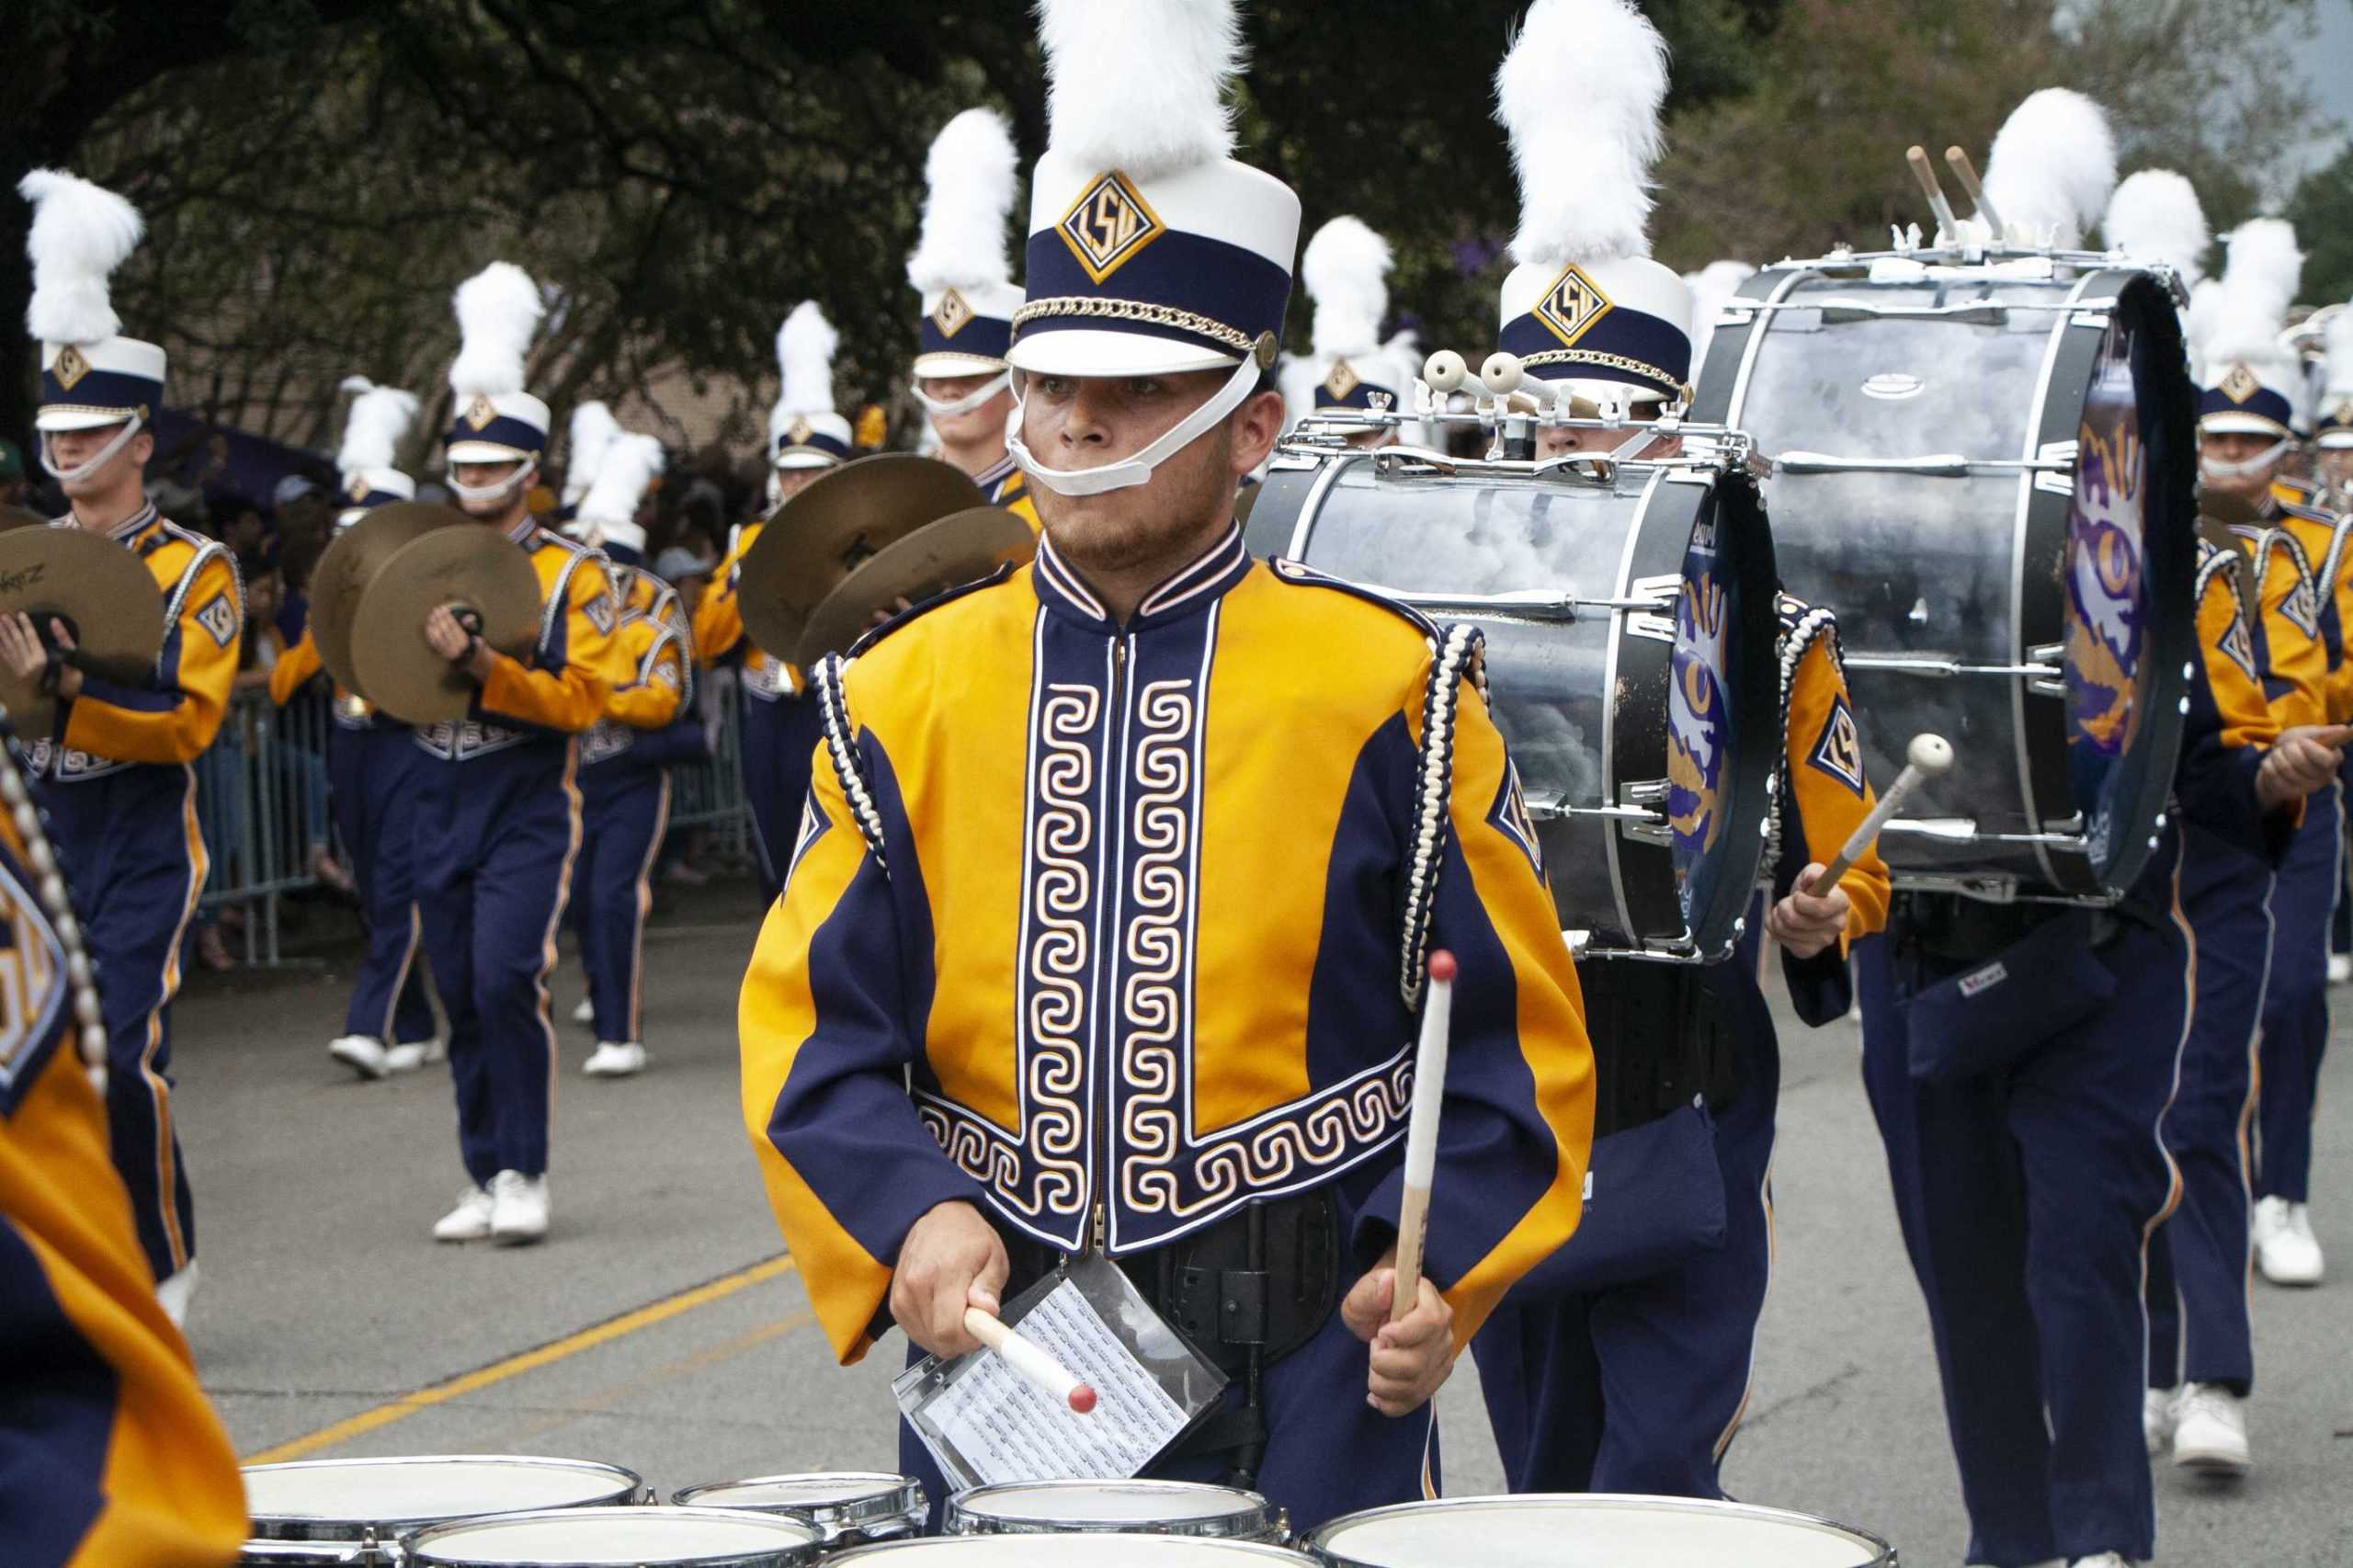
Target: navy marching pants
{"points": [[779, 737], [1641, 1387], [495, 838], [2295, 1010], [2026, 1196], [626, 810], [135, 860], [2199, 1259], [372, 791]]}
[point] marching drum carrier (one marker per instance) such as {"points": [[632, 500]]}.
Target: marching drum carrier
{"points": [[1628, 609], [1982, 461]]}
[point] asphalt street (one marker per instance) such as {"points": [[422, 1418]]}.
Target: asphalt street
{"points": [[662, 1328]]}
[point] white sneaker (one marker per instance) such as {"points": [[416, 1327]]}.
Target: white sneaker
{"points": [[616, 1060], [413, 1054], [2210, 1431], [519, 1209], [2102, 1560], [469, 1222], [2156, 1417], [2285, 1249], [586, 1013], [2340, 968], [361, 1054], [176, 1291]]}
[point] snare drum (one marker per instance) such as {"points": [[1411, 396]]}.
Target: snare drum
{"points": [[351, 1511], [851, 1508], [1116, 1507], [1630, 626], [620, 1537], [1072, 1552], [1988, 476], [1591, 1531]]}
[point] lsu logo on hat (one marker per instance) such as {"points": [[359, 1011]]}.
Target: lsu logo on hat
{"points": [[1108, 223]]}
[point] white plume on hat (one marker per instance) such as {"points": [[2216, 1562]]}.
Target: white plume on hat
{"points": [[2155, 216], [2340, 354], [81, 232], [1711, 287], [631, 462], [971, 176], [498, 309], [2264, 268], [373, 429], [1140, 85], [2236, 320], [1579, 94], [804, 359], [590, 436], [2052, 168], [1346, 268]]}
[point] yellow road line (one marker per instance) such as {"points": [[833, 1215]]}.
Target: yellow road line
{"points": [[685, 1366], [528, 1361]]}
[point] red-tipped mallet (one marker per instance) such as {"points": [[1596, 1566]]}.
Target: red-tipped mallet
{"points": [[1031, 1359], [1421, 1133]]}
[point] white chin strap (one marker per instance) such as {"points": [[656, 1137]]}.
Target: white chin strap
{"points": [[1130, 471], [106, 453], [489, 492], [2215, 468], [969, 402]]}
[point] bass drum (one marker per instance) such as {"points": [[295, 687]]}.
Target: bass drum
{"points": [[1988, 476], [1629, 627]]}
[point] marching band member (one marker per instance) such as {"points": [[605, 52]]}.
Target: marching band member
{"points": [[109, 1451], [2333, 438], [625, 760], [2019, 1059], [2247, 428], [959, 267], [115, 775], [372, 762], [498, 800], [1223, 887], [1597, 1378], [587, 435], [806, 437], [1344, 269]]}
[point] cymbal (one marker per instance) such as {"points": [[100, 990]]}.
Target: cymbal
{"points": [[18, 518], [960, 547], [817, 539], [477, 570], [104, 593], [352, 559]]}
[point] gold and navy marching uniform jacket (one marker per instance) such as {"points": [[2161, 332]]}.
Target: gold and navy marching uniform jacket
{"points": [[1104, 928], [574, 665], [171, 718], [2323, 536], [2230, 723], [1006, 486], [108, 1452], [719, 626], [299, 664], [653, 640], [2230, 651], [2285, 625]]}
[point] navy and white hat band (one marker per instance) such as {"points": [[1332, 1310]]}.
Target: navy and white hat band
{"points": [[976, 337], [807, 438], [1162, 283], [1344, 387], [2261, 404], [501, 430], [1623, 345], [71, 383]]}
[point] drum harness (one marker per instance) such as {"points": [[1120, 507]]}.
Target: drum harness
{"points": [[1256, 1286]]}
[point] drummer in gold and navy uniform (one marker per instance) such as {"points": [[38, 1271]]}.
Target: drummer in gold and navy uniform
{"points": [[806, 438], [1223, 888], [498, 798], [625, 761], [1353, 368], [372, 762], [109, 1451], [115, 775], [1601, 1376], [959, 267], [2246, 424], [2020, 1057]]}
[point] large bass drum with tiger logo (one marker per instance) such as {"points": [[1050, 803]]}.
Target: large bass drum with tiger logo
{"points": [[1986, 470], [1629, 616]]}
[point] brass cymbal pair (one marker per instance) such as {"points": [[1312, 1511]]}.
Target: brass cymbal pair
{"points": [[380, 578], [104, 595]]}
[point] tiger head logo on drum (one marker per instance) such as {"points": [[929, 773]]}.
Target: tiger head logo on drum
{"points": [[2104, 609], [1698, 709]]}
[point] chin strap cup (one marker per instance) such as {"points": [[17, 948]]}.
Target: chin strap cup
{"points": [[1130, 471], [2215, 468], [106, 453], [939, 409], [481, 493]]}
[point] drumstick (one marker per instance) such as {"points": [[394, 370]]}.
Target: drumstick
{"points": [[1929, 756], [1918, 158], [1421, 1133], [1029, 1358], [1966, 172]]}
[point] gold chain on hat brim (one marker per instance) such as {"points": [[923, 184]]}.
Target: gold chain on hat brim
{"points": [[1682, 393], [1261, 347]]}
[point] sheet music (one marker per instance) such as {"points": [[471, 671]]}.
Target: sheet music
{"points": [[1006, 1429]]}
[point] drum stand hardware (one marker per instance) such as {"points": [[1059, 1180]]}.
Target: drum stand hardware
{"points": [[1934, 465]]}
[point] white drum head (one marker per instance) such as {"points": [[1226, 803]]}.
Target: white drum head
{"points": [[623, 1537], [1593, 1532], [343, 1499], [1108, 1504], [798, 1491], [1071, 1552]]}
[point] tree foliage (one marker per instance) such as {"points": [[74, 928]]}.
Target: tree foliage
{"points": [[2322, 211]]}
